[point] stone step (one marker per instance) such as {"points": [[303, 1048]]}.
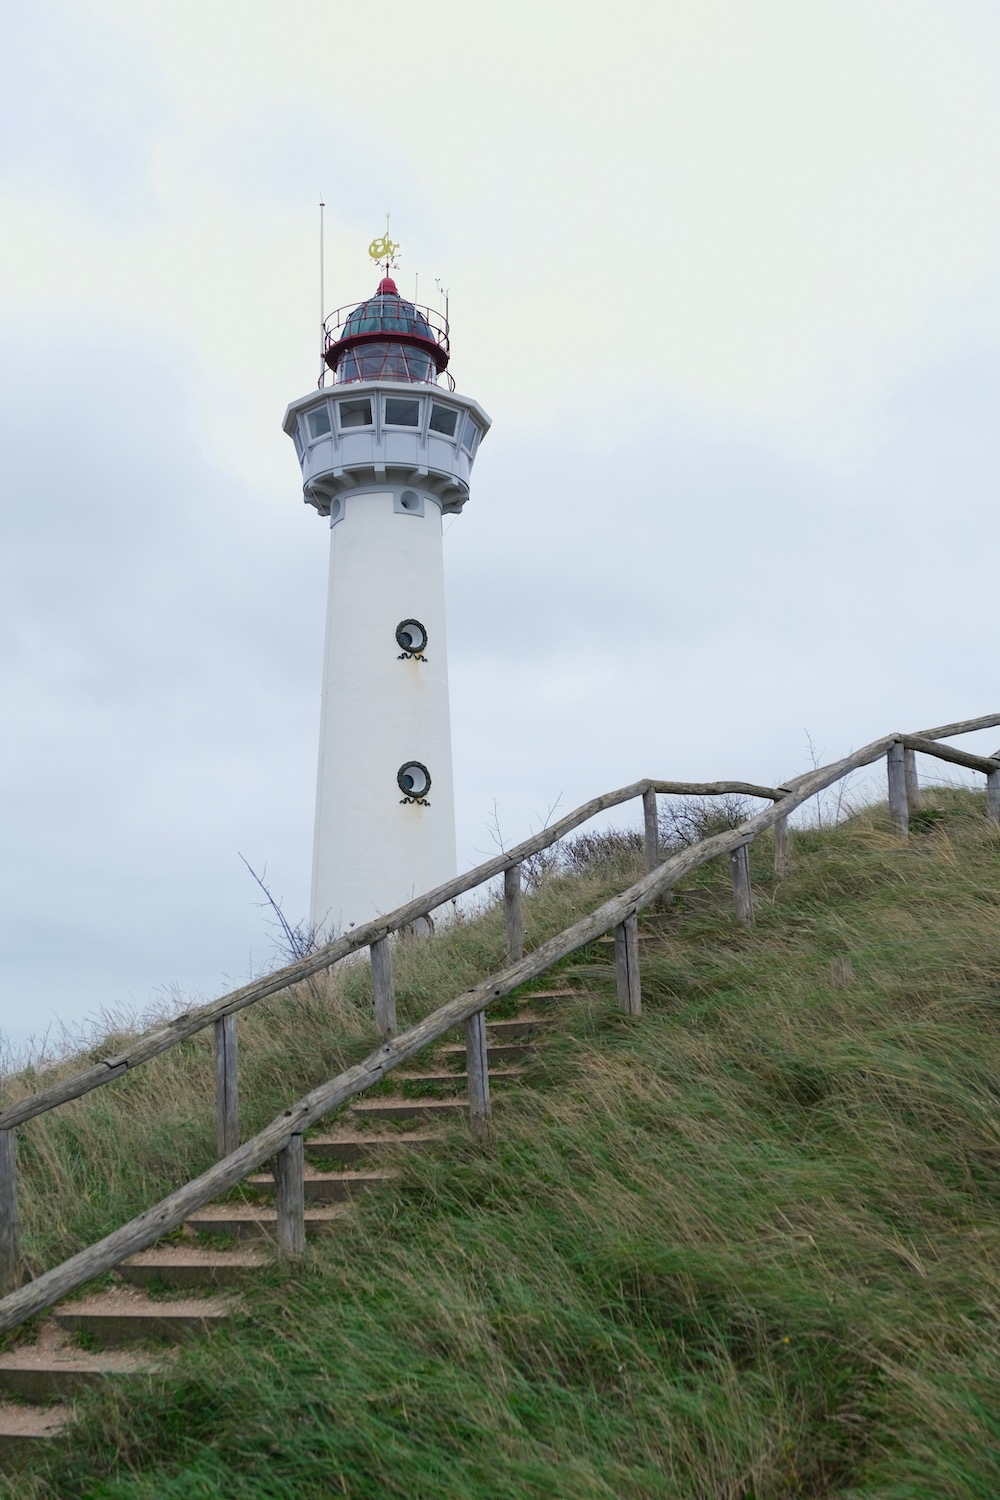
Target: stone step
{"points": [[253, 1221], [355, 1145], [54, 1368], [25, 1431], [329, 1187], [186, 1266], [398, 1108], [124, 1316]]}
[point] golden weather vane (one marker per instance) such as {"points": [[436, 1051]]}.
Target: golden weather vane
{"points": [[383, 248]]}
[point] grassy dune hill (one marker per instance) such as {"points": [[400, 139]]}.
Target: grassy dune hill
{"points": [[743, 1247]]}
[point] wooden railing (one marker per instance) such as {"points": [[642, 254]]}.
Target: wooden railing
{"points": [[282, 1138]]}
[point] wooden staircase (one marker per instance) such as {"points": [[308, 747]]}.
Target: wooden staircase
{"points": [[170, 1250], [188, 1284]]}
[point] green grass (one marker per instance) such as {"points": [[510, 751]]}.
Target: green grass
{"points": [[744, 1247]]}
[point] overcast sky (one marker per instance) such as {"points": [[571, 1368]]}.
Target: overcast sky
{"points": [[724, 275]]}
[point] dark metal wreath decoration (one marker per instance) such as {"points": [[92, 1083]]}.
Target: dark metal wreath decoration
{"points": [[414, 786], [412, 636]]}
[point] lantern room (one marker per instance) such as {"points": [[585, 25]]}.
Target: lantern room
{"points": [[386, 338]]}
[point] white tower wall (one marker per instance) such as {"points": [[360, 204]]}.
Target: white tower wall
{"points": [[384, 460], [374, 849]]}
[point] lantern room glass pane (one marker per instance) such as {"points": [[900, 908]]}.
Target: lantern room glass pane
{"points": [[470, 434], [382, 360], [443, 419]]}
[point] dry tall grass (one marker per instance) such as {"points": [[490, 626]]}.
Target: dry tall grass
{"points": [[742, 1248]]}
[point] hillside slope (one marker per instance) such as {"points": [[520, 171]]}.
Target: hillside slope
{"points": [[743, 1247]]}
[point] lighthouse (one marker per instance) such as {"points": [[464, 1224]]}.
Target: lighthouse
{"points": [[386, 446]]}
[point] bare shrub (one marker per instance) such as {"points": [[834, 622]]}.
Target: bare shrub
{"points": [[688, 820], [603, 852]]}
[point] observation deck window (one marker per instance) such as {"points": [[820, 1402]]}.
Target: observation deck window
{"points": [[443, 419], [318, 423], [470, 435], [401, 412], [355, 413]]}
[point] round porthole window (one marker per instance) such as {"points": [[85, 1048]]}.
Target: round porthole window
{"points": [[412, 636], [414, 781], [410, 500]]}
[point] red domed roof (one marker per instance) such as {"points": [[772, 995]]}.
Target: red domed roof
{"points": [[387, 288]]}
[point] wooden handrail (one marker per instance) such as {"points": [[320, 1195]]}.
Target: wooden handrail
{"points": [[984, 763], [283, 1136], [189, 1023], [161, 1038], [715, 789], [963, 726], [167, 1215]]}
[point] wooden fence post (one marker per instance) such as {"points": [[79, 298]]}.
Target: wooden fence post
{"points": [[782, 859], [739, 862], [650, 831], [227, 1085], [911, 779], [477, 1068], [10, 1234], [898, 810], [290, 1198], [993, 795], [385, 991], [627, 966], [514, 913]]}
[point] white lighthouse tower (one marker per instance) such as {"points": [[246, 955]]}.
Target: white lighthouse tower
{"points": [[386, 451]]}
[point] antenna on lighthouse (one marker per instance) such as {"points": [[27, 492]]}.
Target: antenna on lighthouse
{"points": [[322, 300]]}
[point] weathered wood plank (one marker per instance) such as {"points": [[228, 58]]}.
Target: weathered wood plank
{"points": [[963, 726], [227, 1085], [782, 857], [739, 861], [948, 752], [898, 809], [290, 1198], [478, 1072], [912, 780], [627, 966], [384, 989], [10, 1228], [993, 796], [166, 1215], [650, 830], [514, 913], [818, 781], [716, 789]]}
